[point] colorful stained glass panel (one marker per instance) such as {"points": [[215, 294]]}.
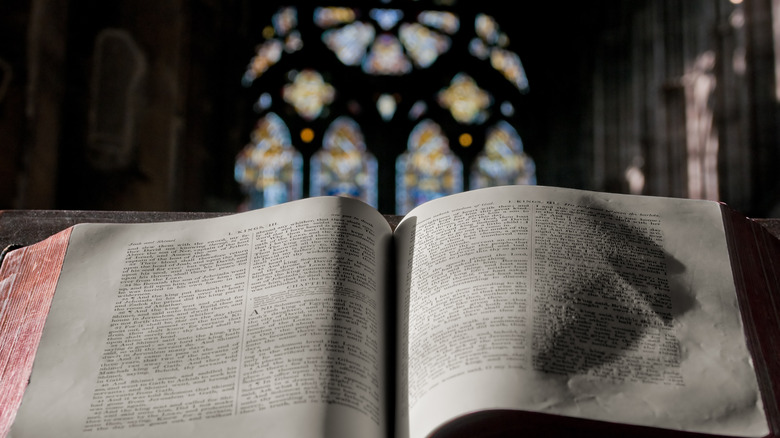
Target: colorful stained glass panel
{"points": [[389, 41], [487, 28], [343, 167], [326, 17], [441, 20], [417, 110], [503, 161], [386, 105], [422, 44], [350, 42], [386, 18], [308, 94], [293, 42], [428, 169], [285, 20], [465, 100], [386, 57], [270, 169], [267, 55], [478, 48], [508, 63]]}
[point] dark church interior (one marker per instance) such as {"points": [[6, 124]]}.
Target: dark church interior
{"points": [[658, 97], [508, 312]]}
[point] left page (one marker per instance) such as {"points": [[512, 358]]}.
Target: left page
{"points": [[267, 323]]}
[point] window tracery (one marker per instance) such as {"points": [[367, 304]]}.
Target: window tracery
{"points": [[387, 43], [383, 52]]}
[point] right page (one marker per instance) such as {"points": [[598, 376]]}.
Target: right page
{"points": [[592, 305]]}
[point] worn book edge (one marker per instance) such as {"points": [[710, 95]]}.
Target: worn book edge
{"points": [[25, 298]]}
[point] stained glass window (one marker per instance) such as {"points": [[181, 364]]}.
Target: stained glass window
{"points": [[343, 166], [428, 169], [270, 169], [503, 161], [401, 97]]}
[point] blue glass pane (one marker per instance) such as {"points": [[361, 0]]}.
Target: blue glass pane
{"points": [[270, 169], [343, 167], [503, 161]]}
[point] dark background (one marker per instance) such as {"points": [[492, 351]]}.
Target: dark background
{"points": [[611, 86]]}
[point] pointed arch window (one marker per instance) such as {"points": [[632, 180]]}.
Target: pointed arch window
{"points": [[428, 169], [270, 169], [343, 167], [503, 161]]}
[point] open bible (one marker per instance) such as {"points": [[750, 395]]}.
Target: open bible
{"points": [[491, 312]]}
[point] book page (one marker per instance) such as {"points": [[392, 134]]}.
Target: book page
{"points": [[607, 307], [266, 323]]}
